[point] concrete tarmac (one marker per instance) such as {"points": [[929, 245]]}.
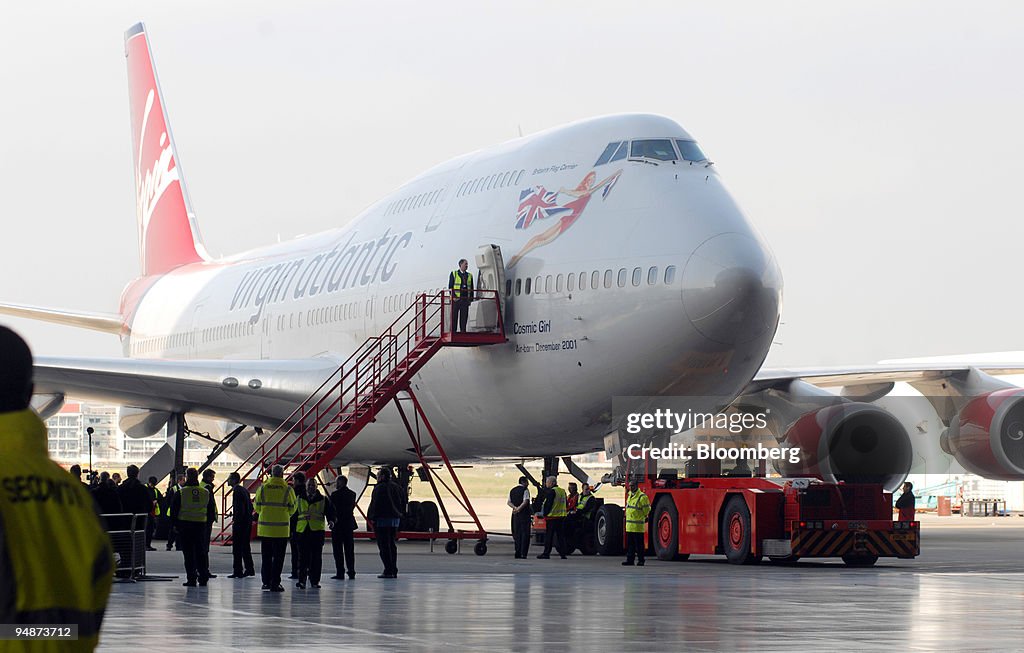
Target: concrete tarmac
{"points": [[962, 594]]}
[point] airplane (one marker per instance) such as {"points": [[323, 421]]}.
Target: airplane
{"points": [[631, 272]]}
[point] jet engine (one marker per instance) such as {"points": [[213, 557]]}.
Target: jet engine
{"points": [[987, 435], [851, 442]]}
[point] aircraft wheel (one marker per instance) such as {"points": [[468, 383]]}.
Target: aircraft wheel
{"points": [[735, 531], [608, 530], [451, 546], [480, 548]]}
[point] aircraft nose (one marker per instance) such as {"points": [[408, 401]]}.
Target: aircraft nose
{"points": [[732, 289]]}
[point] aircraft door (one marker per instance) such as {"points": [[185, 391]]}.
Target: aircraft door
{"points": [[490, 275]]}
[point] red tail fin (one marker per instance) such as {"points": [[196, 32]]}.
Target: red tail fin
{"points": [[168, 234]]}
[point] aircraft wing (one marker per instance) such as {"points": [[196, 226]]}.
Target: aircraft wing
{"points": [[916, 374], [253, 392]]}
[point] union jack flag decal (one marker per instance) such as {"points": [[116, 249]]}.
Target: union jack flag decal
{"points": [[536, 203]]}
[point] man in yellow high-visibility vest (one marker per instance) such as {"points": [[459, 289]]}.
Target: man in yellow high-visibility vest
{"points": [[275, 503], [192, 510], [56, 564], [638, 507], [554, 511], [460, 283]]}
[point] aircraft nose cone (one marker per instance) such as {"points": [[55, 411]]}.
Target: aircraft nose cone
{"points": [[732, 289]]}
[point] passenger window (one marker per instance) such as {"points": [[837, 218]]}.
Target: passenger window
{"points": [[691, 151], [652, 276], [659, 149], [528, 280], [508, 287], [558, 283], [570, 282], [595, 280], [537, 288], [583, 280], [621, 152], [519, 286], [670, 275], [622, 278], [607, 278], [637, 276], [607, 154], [547, 284]]}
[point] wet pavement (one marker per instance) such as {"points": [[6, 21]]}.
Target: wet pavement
{"points": [[963, 593]]}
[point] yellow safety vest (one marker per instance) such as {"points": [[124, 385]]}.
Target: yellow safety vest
{"points": [[194, 502], [156, 508], [584, 498], [60, 558], [275, 502], [638, 506], [457, 286], [558, 505], [312, 514]]}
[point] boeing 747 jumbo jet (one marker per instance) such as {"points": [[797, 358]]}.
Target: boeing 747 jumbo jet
{"points": [[629, 270]]}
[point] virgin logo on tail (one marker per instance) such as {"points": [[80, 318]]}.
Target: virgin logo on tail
{"points": [[150, 188]]}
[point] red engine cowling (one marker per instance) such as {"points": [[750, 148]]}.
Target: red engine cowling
{"points": [[851, 442], [987, 435]]}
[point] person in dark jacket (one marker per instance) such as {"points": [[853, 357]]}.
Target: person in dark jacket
{"points": [[343, 500], [241, 528], [460, 284], [522, 517], [298, 483], [208, 477], [385, 511], [173, 487], [906, 504], [105, 495]]}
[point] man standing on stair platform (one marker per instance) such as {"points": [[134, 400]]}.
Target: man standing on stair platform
{"points": [[460, 283]]}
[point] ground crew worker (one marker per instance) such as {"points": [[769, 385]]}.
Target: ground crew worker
{"points": [[572, 498], [638, 507], [343, 505], [906, 503], [275, 503], [56, 563], [157, 498], [460, 282], [385, 511], [173, 487], [314, 512], [192, 510], [554, 511], [298, 483], [241, 528], [522, 517], [583, 506]]}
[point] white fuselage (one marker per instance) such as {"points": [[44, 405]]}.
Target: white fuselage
{"points": [[692, 326]]}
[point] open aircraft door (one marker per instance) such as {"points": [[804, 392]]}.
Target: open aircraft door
{"points": [[490, 275]]}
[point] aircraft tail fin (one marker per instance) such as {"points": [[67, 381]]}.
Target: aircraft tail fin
{"points": [[168, 233]]}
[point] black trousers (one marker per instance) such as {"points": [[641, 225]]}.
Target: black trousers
{"points": [[197, 557], [172, 537], [295, 545], [634, 547], [150, 530], [241, 550], [388, 548], [312, 555], [343, 546], [554, 527], [272, 551], [522, 524], [209, 536], [460, 314]]}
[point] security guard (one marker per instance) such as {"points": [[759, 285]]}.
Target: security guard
{"points": [[192, 511], [275, 503], [314, 512], [460, 282], [56, 562], [554, 511], [638, 507]]}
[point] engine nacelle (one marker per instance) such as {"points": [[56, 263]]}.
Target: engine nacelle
{"points": [[987, 435], [851, 442], [141, 422]]}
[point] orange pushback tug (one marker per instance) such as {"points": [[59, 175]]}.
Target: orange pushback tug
{"points": [[746, 518]]}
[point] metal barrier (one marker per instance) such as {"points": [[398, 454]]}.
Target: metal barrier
{"points": [[127, 533], [983, 508]]}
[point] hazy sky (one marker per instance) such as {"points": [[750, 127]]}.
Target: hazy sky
{"points": [[876, 145]]}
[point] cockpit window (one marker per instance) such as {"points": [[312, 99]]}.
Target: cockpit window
{"points": [[622, 151], [691, 151], [659, 149], [607, 154]]}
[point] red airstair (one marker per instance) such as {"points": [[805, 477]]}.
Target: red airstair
{"points": [[377, 374]]}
